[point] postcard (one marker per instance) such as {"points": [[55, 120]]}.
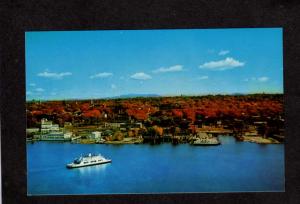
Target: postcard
{"points": [[154, 111]]}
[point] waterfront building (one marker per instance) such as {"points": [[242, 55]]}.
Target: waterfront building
{"points": [[68, 135], [36, 137], [32, 130], [51, 132], [56, 136], [48, 126], [123, 125], [67, 124], [113, 125], [95, 135]]}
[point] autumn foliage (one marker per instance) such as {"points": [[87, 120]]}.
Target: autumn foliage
{"points": [[160, 111]]}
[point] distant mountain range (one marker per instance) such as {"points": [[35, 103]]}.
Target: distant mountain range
{"points": [[133, 95]]}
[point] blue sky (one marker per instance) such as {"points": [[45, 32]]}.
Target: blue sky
{"points": [[98, 64]]}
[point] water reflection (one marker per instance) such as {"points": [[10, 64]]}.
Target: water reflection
{"points": [[90, 169]]}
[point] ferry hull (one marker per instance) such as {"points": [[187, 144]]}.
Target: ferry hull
{"points": [[72, 166]]}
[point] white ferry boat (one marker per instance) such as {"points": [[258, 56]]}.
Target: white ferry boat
{"points": [[88, 160]]}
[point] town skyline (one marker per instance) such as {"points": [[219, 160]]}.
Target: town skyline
{"points": [[106, 64]]}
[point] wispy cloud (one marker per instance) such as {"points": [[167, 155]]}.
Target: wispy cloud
{"points": [[113, 86], [54, 75], [101, 75], [228, 63], [39, 89], [35, 92], [202, 77], [263, 79], [32, 84], [175, 68], [140, 76], [223, 52], [258, 79]]}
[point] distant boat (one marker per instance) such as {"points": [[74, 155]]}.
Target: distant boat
{"points": [[205, 139], [206, 142], [88, 160]]}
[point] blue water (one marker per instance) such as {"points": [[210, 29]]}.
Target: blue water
{"points": [[144, 168]]}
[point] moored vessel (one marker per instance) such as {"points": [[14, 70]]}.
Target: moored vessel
{"points": [[206, 139]]}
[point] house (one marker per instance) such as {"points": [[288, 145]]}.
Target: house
{"points": [[67, 124], [68, 135], [113, 125], [123, 125], [95, 135]]}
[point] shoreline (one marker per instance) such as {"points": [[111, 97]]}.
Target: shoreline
{"points": [[252, 139], [261, 140]]}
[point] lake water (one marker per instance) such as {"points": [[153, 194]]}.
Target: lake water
{"points": [[144, 168]]}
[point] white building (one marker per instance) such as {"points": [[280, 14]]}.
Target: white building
{"points": [[32, 130], [53, 136], [68, 135], [113, 125], [96, 135], [52, 132], [48, 126], [123, 125], [67, 124], [56, 136]]}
